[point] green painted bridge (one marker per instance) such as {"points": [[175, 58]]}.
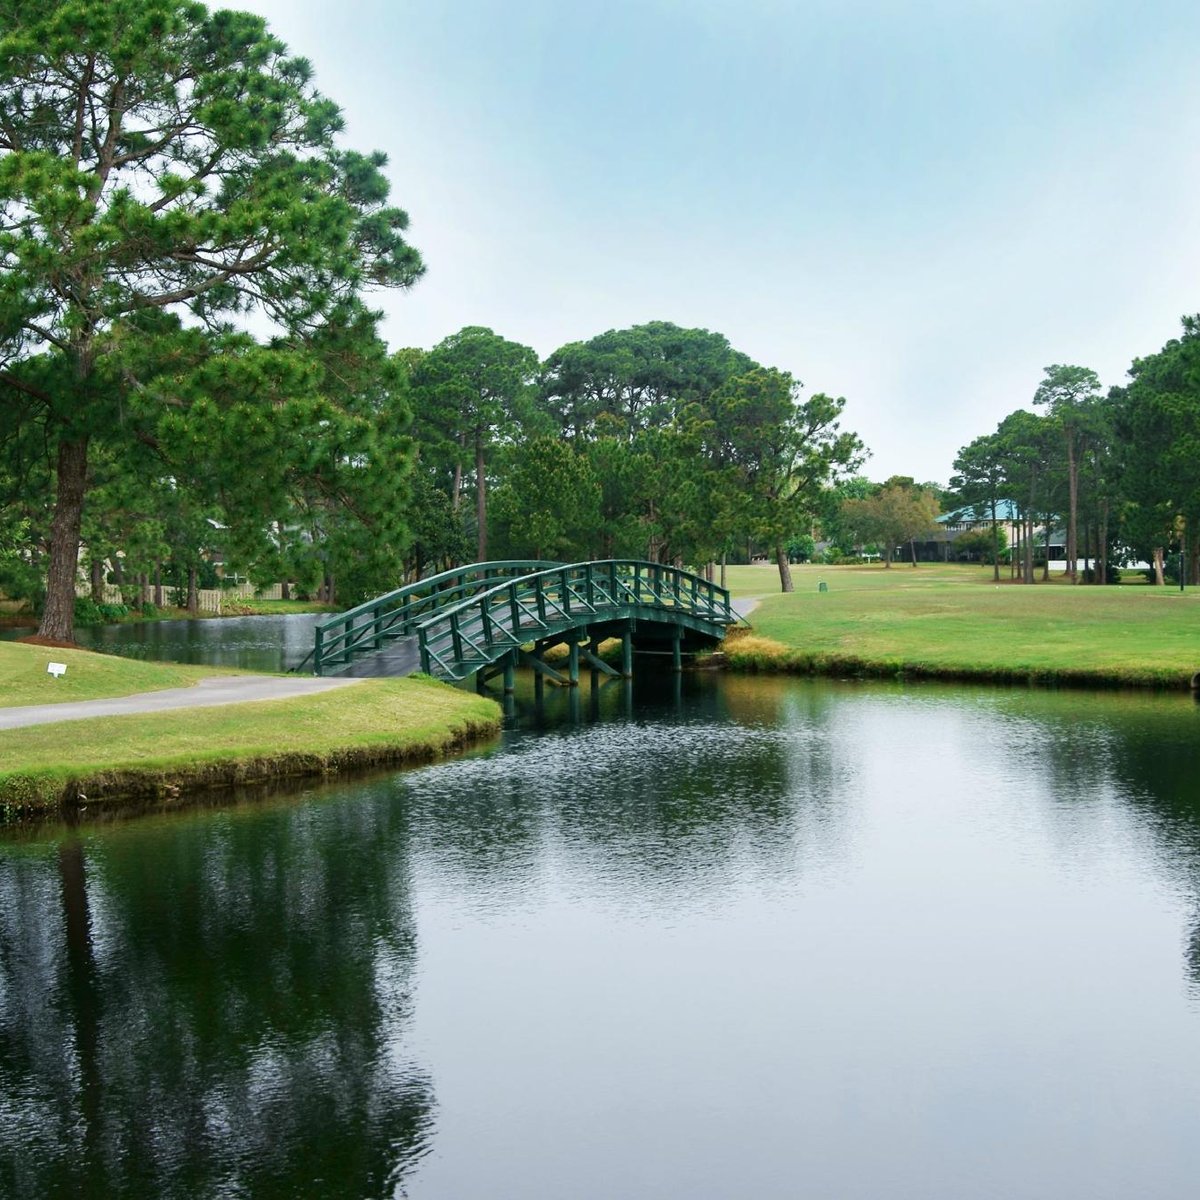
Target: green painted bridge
{"points": [[488, 618]]}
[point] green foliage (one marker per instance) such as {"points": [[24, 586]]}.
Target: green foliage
{"points": [[801, 549], [472, 392], [88, 612], [898, 511], [548, 506], [158, 160], [981, 545]]}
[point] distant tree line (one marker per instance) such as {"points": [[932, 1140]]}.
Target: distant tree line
{"points": [[1116, 470]]}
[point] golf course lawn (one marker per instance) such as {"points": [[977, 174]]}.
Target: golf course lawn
{"points": [[954, 621], [90, 676]]}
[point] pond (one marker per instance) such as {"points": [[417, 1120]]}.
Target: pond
{"points": [[270, 643], [715, 937]]}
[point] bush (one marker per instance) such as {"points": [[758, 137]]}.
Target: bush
{"points": [[149, 609], [88, 612]]}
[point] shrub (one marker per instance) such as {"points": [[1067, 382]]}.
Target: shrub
{"points": [[88, 612]]}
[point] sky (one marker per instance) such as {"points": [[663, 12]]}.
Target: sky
{"points": [[917, 206]]}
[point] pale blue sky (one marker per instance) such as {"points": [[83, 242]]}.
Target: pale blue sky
{"points": [[917, 206]]}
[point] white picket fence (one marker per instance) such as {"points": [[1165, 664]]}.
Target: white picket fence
{"points": [[212, 600]]}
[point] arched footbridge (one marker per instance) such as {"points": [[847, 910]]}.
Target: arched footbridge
{"points": [[487, 619]]}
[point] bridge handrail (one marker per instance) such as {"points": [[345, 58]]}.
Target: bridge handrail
{"points": [[338, 636], [717, 601]]}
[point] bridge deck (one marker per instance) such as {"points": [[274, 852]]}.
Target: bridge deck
{"points": [[477, 617]]}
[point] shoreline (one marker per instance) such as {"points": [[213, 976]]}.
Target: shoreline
{"points": [[786, 660], [221, 732], [32, 797]]}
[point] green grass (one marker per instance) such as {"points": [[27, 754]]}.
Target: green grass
{"points": [[954, 621], [267, 608], [24, 680], [375, 722]]}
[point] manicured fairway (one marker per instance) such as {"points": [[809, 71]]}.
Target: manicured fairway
{"points": [[955, 621]]}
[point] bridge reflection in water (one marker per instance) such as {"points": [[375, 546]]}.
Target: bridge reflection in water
{"points": [[487, 619]]}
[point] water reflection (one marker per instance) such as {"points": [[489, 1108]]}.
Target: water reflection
{"points": [[270, 643], [708, 937], [206, 1007]]}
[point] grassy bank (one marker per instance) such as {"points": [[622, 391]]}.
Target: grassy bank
{"points": [[954, 622], [378, 722], [90, 676]]}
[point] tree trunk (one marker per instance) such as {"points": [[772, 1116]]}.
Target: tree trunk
{"points": [[97, 580], [1158, 567], [58, 619], [1073, 492], [723, 568], [1046, 564], [481, 500], [887, 557], [785, 570], [158, 595], [456, 485], [143, 588], [995, 548], [193, 599], [912, 550], [1102, 549], [1027, 564]]}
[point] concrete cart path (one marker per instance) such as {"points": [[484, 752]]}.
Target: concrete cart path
{"points": [[219, 689]]}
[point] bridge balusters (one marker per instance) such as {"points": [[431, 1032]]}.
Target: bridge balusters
{"points": [[486, 617], [514, 610]]}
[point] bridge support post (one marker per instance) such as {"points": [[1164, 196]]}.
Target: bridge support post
{"points": [[676, 648], [510, 674], [573, 663], [627, 654]]}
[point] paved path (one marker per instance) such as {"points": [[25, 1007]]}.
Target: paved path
{"points": [[219, 689]]}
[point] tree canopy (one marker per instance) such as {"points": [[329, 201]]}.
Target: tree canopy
{"points": [[163, 171]]}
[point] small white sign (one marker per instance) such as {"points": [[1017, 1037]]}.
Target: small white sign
{"points": [[56, 669]]}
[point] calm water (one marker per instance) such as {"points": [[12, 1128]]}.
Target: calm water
{"points": [[254, 643], [759, 939]]}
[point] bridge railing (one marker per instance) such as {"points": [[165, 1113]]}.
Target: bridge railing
{"points": [[479, 629], [369, 626]]}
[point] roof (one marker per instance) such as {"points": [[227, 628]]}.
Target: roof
{"points": [[1006, 510]]}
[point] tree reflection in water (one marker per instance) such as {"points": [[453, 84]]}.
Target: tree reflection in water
{"points": [[194, 1011]]}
